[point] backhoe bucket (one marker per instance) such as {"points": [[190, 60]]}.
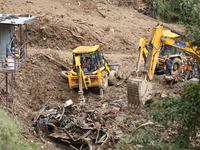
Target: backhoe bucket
{"points": [[137, 91]]}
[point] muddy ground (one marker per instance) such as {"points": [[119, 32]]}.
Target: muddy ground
{"points": [[63, 25]]}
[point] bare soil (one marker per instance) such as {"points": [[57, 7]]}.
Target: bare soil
{"points": [[63, 25]]}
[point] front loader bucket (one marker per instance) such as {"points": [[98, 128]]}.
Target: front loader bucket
{"points": [[115, 67]]}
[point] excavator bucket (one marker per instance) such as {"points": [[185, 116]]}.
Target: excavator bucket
{"points": [[133, 92], [137, 91]]}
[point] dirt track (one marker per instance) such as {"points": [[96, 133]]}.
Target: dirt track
{"points": [[62, 26]]}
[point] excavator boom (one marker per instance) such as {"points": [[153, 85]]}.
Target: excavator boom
{"points": [[139, 85], [81, 79]]}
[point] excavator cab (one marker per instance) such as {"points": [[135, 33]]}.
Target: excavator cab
{"points": [[90, 62]]}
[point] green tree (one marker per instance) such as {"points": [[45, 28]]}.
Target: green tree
{"points": [[185, 12], [9, 134], [179, 11], [193, 33], [181, 114]]}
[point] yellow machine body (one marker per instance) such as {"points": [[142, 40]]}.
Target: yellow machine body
{"points": [[139, 85], [77, 77]]}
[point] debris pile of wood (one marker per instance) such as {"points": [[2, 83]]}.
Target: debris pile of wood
{"points": [[75, 126]]}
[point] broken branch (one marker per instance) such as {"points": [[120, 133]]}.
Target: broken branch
{"points": [[41, 110], [145, 124], [120, 125], [101, 13], [58, 63]]}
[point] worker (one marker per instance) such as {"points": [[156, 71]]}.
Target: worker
{"points": [[5, 64], [183, 63], [168, 66], [190, 63], [14, 55], [87, 63], [194, 68]]}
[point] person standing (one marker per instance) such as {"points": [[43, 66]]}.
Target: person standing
{"points": [[194, 68], [168, 66], [190, 66], [183, 63]]}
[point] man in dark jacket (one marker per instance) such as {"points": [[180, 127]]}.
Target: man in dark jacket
{"points": [[168, 66]]}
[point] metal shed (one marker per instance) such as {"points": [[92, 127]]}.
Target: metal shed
{"points": [[13, 49], [13, 46]]}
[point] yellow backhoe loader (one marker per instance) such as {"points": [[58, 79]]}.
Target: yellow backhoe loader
{"points": [[162, 42], [90, 69]]}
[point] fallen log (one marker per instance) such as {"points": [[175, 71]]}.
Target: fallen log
{"points": [[58, 63]]}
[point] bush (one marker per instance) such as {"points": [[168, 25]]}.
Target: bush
{"points": [[181, 114], [9, 133], [141, 139], [179, 11]]}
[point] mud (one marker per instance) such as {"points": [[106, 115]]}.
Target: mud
{"points": [[63, 26]]}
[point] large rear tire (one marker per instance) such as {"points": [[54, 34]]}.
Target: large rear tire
{"points": [[64, 75], [176, 66]]}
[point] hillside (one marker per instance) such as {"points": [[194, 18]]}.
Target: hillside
{"points": [[63, 25]]}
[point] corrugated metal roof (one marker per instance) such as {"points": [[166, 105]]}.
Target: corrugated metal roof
{"points": [[16, 19]]}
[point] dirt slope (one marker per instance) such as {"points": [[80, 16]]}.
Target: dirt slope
{"points": [[63, 25]]}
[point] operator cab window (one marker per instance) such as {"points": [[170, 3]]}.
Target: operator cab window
{"points": [[172, 50], [164, 50], [83, 58], [167, 50], [99, 63], [95, 61]]}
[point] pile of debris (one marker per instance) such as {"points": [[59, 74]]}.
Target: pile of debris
{"points": [[99, 128]]}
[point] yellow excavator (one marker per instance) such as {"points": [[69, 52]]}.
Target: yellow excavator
{"points": [[162, 43], [90, 69]]}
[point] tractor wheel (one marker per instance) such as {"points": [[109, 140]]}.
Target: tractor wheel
{"points": [[104, 80], [63, 80], [64, 75], [176, 66], [112, 77]]}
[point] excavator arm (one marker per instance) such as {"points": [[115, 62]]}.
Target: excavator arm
{"points": [[81, 78], [142, 52], [138, 86], [150, 55]]}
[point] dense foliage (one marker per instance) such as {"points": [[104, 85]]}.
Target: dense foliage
{"points": [[179, 11], [8, 134], [181, 115], [141, 139], [193, 34], [185, 12]]}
